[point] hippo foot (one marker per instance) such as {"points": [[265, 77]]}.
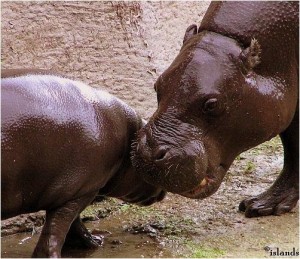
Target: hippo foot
{"points": [[87, 241], [79, 236], [271, 202]]}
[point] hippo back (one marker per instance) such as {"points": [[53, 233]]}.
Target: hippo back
{"points": [[275, 24]]}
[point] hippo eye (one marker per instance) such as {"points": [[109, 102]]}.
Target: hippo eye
{"points": [[210, 105]]}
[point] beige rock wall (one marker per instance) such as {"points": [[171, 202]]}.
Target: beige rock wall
{"points": [[120, 46]]}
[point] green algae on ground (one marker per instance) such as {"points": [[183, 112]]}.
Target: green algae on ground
{"points": [[204, 252]]}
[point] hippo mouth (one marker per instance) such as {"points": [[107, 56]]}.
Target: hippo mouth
{"points": [[208, 185], [177, 181], [180, 179], [188, 173], [205, 188]]}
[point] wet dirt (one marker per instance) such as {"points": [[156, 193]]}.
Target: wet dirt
{"points": [[181, 227], [117, 243]]}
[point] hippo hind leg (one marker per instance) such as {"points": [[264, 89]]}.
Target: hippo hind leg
{"points": [[283, 195], [57, 225]]}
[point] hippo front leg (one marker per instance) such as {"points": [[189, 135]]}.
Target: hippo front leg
{"points": [[57, 225], [284, 193], [78, 235]]}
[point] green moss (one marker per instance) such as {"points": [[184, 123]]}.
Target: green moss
{"points": [[89, 211], [205, 252], [250, 167]]}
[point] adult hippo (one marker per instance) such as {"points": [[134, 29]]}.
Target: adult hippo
{"points": [[233, 86], [63, 143]]}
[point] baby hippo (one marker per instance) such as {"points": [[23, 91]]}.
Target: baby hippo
{"points": [[63, 143]]}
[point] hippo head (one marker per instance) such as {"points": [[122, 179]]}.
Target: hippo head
{"points": [[207, 114]]}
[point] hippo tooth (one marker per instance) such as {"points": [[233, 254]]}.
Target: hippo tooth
{"points": [[203, 183]]}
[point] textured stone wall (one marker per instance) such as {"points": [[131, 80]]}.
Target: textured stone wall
{"points": [[120, 46]]}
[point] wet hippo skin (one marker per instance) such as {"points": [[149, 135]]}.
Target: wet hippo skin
{"points": [[233, 85], [63, 143]]}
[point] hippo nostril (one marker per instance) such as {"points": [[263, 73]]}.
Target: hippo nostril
{"points": [[160, 154]]}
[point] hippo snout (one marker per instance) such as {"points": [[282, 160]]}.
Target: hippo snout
{"points": [[159, 155], [173, 166]]}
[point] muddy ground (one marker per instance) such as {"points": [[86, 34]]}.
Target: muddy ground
{"points": [[181, 227]]}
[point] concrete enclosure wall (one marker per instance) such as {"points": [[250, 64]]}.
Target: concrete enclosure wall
{"points": [[120, 46]]}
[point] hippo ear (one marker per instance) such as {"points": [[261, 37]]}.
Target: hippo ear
{"points": [[251, 55], [190, 31]]}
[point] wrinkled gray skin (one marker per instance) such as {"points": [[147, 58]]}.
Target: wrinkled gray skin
{"points": [[62, 143], [233, 85]]}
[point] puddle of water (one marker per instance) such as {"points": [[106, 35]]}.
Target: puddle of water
{"points": [[117, 244]]}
